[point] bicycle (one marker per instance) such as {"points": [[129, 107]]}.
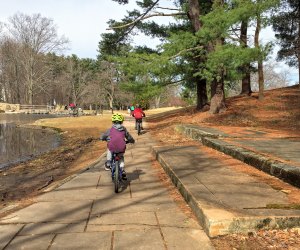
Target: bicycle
{"points": [[116, 172], [139, 126]]}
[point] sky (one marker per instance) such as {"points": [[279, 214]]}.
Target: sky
{"points": [[83, 22]]}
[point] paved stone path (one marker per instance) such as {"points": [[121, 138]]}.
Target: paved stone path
{"points": [[85, 213], [285, 149], [224, 200], [274, 154]]}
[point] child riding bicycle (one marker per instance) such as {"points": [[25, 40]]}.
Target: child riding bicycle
{"points": [[138, 114], [115, 136]]}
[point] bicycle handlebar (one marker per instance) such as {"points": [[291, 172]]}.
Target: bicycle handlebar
{"points": [[127, 142]]}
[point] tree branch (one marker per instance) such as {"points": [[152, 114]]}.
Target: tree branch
{"points": [[164, 8], [145, 17], [147, 11], [186, 50]]}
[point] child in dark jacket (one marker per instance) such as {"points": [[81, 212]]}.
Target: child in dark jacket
{"points": [[116, 136]]}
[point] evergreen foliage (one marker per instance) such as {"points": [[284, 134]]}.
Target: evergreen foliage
{"points": [[286, 24]]}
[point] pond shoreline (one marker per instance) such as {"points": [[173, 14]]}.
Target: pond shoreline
{"points": [[22, 141], [56, 132]]}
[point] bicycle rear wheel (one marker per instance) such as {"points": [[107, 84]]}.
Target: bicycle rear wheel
{"points": [[117, 177], [139, 128]]}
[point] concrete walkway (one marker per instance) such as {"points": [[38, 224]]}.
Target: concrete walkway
{"points": [[224, 200], [277, 156], [85, 213]]}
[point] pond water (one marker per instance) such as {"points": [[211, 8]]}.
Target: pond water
{"points": [[18, 144]]}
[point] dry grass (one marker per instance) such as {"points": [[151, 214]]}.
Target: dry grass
{"points": [[83, 126], [159, 110]]}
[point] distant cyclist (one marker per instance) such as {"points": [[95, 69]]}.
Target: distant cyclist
{"points": [[138, 114], [116, 136]]}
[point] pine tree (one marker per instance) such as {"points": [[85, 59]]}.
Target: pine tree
{"points": [[286, 25]]}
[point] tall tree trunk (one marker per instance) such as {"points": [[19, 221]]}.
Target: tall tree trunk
{"points": [[217, 86], [18, 96], [217, 102], [194, 16], [260, 60], [202, 99], [246, 83], [298, 52], [299, 71], [30, 81], [157, 101]]}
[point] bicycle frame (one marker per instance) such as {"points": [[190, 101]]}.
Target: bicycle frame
{"points": [[116, 173], [139, 124]]}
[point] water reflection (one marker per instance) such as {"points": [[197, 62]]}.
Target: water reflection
{"points": [[17, 143], [22, 118]]}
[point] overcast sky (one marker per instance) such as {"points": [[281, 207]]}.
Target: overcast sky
{"points": [[83, 21]]}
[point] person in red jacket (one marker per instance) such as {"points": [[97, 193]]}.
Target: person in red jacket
{"points": [[138, 114]]}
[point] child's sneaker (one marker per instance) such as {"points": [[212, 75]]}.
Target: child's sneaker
{"points": [[124, 177], [107, 166]]}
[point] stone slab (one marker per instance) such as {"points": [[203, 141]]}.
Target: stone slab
{"points": [[79, 241], [82, 181], [283, 148], [63, 211], [82, 194], [139, 240], [147, 204], [222, 208], [52, 228], [31, 242], [186, 238], [177, 220], [122, 221], [7, 232]]}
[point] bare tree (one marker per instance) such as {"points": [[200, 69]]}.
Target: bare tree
{"points": [[272, 79], [11, 73], [37, 36], [108, 79], [101, 89], [78, 77]]}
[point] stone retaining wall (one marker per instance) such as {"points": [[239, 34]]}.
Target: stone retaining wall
{"points": [[9, 107]]}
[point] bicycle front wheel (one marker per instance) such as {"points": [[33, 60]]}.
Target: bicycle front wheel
{"points": [[117, 177]]}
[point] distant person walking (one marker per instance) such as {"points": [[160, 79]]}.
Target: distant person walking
{"points": [[131, 109]]}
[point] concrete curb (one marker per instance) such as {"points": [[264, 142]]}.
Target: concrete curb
{"points": [[286, 172], [218, 221]]}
